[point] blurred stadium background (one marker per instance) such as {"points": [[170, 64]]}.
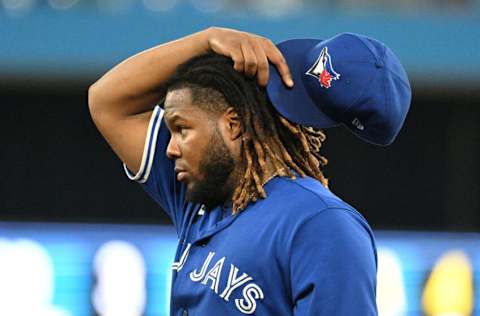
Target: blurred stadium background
{"points": [[77, 238]]}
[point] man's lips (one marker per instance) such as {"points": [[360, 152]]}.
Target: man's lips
{"points": [[181, 174]]}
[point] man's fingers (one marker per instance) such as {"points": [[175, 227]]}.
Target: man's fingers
{"points": [[283, 70], [238, 60], [250, 59], [250, 54], [276, 58], [262, 63]]}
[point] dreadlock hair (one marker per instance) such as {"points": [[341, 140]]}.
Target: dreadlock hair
{"points": [[266, 135]]}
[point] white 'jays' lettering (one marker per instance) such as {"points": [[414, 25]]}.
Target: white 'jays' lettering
{"points": [[248, 304], [179, 265], [234, 282], [251, 292], [197, 276], [214, 275]]}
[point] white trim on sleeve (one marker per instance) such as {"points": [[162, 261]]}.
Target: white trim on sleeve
{"points": [[149, 148]]}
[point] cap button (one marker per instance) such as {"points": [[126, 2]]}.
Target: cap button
{"points": [[379, 64]]}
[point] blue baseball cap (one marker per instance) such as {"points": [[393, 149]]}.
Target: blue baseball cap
{"points": [[349, 79]]}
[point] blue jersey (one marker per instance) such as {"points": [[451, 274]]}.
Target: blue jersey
{"points": [[301, 251]]}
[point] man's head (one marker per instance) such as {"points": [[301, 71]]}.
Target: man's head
{"points": [[227, 139], [206, 153]]}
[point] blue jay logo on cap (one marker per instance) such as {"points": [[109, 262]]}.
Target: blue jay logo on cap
{"points": [[323, 70]]}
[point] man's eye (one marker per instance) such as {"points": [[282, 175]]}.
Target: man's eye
{"points": [[181, 129]]}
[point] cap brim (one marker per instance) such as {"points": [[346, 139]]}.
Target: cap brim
{"points": [[295, 103]]}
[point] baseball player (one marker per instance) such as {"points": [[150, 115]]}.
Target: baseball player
{"points": [[232, 154]]}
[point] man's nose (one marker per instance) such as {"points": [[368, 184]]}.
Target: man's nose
{"points": [[172, 149]]}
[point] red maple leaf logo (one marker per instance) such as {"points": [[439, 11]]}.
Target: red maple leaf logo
{"points": [[325, 79]]}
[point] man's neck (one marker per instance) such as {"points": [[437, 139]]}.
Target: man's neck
{"points": [[270, 171], [235, 178]]}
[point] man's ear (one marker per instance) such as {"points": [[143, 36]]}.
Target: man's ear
{"points": [[233, 123]]}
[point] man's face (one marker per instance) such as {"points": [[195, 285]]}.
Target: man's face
{"points": [[203, 160]]}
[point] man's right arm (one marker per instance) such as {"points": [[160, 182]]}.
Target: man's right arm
{"points": [[121, 102]]}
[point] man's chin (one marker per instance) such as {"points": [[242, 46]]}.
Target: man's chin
{"points": [[208, 197]]}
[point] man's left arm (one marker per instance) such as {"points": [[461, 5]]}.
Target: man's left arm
{"points": [[333, 266]]}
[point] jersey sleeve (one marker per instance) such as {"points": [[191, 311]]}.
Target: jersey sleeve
{"points": [[157, 171], [333, 266]]}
